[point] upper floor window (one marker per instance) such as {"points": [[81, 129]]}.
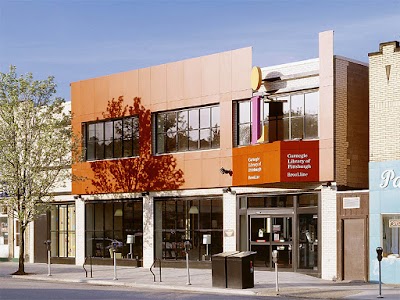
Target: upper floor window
{"points": [[188, 129], [300, 116], [111, 138], [284, 118]]}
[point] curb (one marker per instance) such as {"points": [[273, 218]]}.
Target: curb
{"points": [[189, 288]]}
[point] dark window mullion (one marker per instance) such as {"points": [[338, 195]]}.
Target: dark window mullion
{"points": [[66, 229], [122, 137], [112, 140], [198, 120]]}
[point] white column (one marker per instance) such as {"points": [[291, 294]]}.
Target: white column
{"points": [[328, 233], [229, 217], [80, 231], [31, 246], [148, 231]]}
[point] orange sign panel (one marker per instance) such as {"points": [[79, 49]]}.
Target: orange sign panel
{"points": [[280, 161]]}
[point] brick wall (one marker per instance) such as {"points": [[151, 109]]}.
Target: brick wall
{"points": [[384, 103], [351, 123], [328, 233]]}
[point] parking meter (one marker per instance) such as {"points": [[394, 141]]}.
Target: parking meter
{"points": [[187, 245], [114, 245], [114, 248], [379, 251], [48, 244], [275, 256]]}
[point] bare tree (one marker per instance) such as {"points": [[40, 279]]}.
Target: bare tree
{"points": [[36, 147]]}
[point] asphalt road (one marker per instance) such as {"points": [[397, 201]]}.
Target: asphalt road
{"points": [[11, 288]]}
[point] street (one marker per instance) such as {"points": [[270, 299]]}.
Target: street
{"points": [[11, 288], [16, 288]]}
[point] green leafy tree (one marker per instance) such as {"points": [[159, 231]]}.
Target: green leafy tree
{"points": [[36, 147]]}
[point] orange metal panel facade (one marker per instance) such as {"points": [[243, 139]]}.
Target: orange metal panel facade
{"points": [[183, 84]]}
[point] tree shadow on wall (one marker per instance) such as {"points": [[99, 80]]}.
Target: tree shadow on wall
{"points": [[144, 172]]}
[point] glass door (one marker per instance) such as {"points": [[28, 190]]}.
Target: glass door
{"points": [[308, 242], [268, 233]]}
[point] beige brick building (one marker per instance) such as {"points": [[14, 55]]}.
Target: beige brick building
{"points": [[384, 166]]}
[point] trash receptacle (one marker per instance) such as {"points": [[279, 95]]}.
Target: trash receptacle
{"points": [[218, 263], [240, 270]]}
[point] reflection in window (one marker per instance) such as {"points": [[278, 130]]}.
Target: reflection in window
{"points": [[4, 230], [111, 139], [62, 230], [183, 219], [112, 221], [270, 201], [189, 129], [244, 122], [391, 234], [288, 117]]}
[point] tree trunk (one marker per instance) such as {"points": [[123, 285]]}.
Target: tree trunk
{"points": [[21, 261]]}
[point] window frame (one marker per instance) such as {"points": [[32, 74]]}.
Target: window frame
{"points": [[384, 243], [284, 122], [188, 123], [91, 147]]}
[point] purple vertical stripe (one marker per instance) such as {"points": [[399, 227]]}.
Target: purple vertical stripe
{"points": [[255, 113]]}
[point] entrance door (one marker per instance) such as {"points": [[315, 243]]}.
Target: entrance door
{"points": [[268, 233], [354, 249]]}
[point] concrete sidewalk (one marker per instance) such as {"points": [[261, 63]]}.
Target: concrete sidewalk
{"points": [[291, 284]]}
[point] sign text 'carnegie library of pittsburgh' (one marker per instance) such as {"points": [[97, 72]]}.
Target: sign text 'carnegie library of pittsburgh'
{"points": [[297, 162], [254, 165], [298, 165]]}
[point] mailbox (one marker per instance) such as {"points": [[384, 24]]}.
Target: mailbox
{"points": [[379, 251]]}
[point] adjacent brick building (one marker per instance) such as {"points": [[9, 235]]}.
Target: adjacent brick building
{"points": [[384, 167]]}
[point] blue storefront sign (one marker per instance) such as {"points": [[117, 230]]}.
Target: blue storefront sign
{"points": [[384, 220]]}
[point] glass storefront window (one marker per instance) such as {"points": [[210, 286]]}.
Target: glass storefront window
{"points": [[4, 230], [187, 219], [270, 201], [112, 221], [391, 235], [62, 230], [307, 200]]}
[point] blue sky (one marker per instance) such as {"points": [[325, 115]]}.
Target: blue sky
{"points": [[75, 40]]}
